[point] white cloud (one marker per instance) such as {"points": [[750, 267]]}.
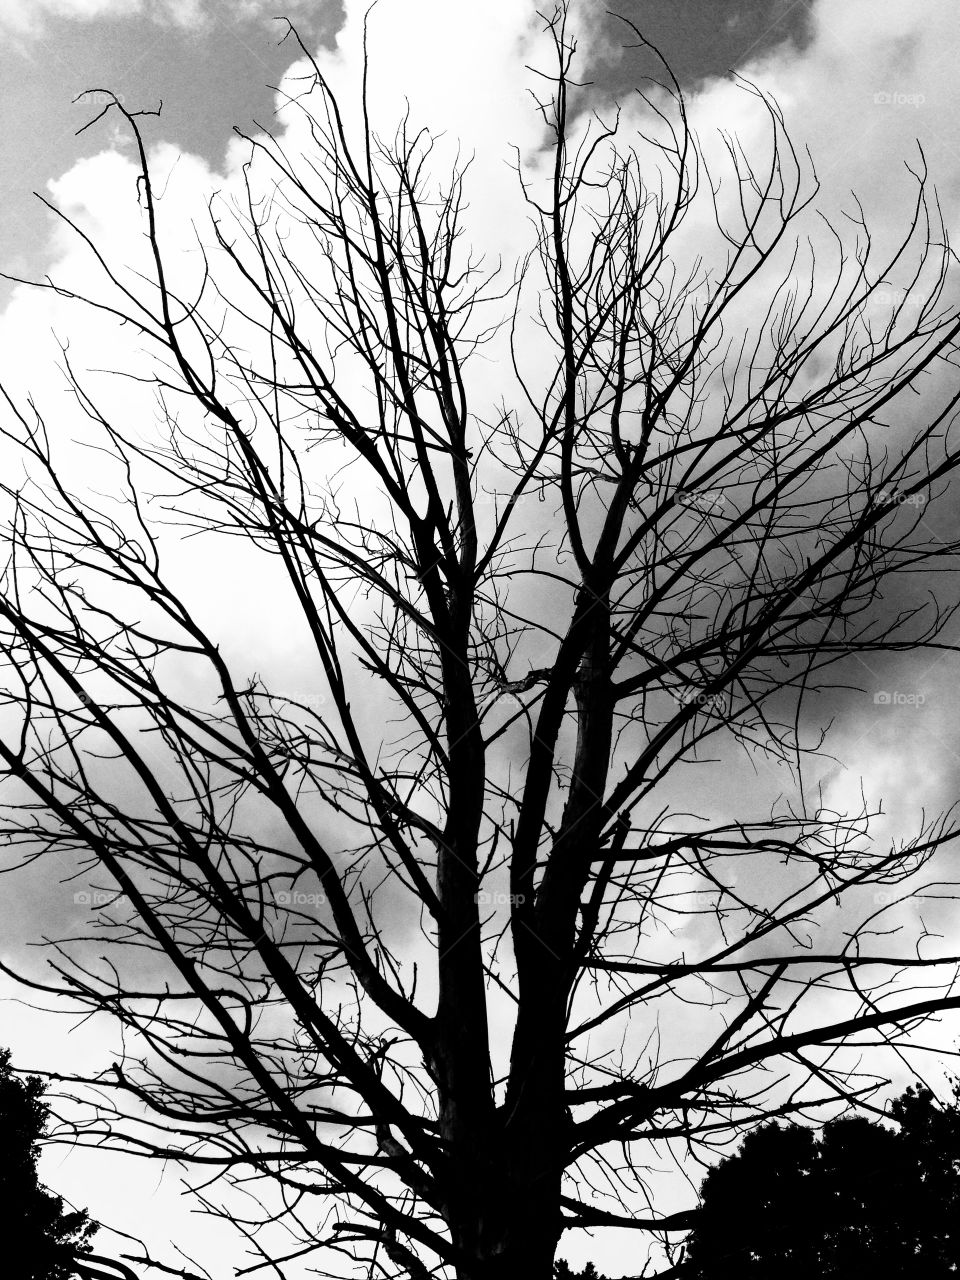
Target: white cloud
{"points": [[877, 77], [877, 80]]}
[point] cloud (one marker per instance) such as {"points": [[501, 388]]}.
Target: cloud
{"points": [[28, 19], [877, 77], [874, 86]]}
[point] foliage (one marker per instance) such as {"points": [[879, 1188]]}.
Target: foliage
{"points": [[859, 1198], [562, 1271], [41, 1240]]}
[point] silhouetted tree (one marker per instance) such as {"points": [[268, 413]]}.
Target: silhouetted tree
{"points": [[563, 1271], [40, 1239], [429, 952], [858, 1199]]}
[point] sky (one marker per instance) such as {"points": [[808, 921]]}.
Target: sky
{"points": [[211, 63], [861, 83]]}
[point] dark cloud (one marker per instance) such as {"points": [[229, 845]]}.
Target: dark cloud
{"points": [[701, 39], [209, 79]]}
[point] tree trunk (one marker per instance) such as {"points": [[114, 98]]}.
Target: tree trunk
{"points": [[520, 1255], [510, 1234], [503, 1201]]}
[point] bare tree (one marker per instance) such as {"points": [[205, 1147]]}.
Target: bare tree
{"points": [[432, 960]]}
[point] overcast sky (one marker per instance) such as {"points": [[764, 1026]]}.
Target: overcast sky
{"points": [[860, 82]]}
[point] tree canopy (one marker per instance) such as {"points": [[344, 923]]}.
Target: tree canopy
{"points": [[42, 1239], [857, 1198]]}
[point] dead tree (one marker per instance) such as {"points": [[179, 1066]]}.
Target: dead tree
{"points": [[432, 957]]}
